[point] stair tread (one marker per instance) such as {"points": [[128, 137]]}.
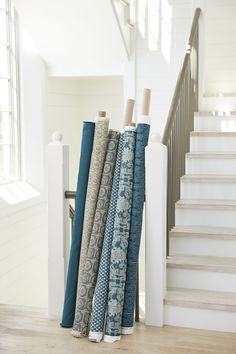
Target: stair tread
{"points": [[208, 178], [210, 114], [213, 155], [216, 232], [201, 298], [211, 263], [205, 133], [206, 203]]}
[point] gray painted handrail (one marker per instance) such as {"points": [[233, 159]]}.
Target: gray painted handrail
{"points": [[182, 74], [180, 121]]}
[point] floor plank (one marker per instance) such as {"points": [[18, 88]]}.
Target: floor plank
{"points": [[25, 330]]}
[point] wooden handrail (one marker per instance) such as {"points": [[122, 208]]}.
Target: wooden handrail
{"points": [[180, 80], [180, 120], [70, 195]]}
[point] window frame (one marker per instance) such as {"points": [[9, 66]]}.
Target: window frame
{"points": [[13, 108]]}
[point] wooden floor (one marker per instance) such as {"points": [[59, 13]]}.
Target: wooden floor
{"points": [[28, 331]]}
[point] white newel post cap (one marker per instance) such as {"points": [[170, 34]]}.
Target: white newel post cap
{"points": [[56, 138], [155, 138]]}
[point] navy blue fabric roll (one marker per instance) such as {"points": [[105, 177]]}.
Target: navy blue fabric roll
{"points": [[142, 134], [82, 182]]}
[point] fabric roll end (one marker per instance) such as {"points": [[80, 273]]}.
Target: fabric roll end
{"points": [[101, 119], [127, 330], [128, 128], [111, 339], [144, 120], [95, 337], [77, 334], [64, 325]]}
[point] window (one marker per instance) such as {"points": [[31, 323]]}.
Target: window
{"points": [[9, 110]]}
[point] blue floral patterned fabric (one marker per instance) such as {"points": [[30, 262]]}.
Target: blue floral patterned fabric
{"points": [[136, 224], [72, 274], [86, 292], [118, 261], [101, 290]]}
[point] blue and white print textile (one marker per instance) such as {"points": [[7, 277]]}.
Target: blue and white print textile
{"points": [[118, 260], [135, 227]]}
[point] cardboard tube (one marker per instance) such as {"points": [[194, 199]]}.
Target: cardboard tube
{"points": [[132, 124], [128, 112], [101, 114], [146, 102]]}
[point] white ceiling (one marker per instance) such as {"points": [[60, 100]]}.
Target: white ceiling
{"points": [[74, 35]]}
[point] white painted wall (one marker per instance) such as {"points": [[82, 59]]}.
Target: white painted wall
{"points": [[23, 255], [74, 35], [220, 46], [162, 34], [71, 101], [23, 226]]}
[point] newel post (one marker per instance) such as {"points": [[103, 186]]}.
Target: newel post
{"points": [[155, 233], [58, 222]]}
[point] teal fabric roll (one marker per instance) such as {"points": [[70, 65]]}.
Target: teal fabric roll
{"points": [[86, 292], [82, 182], [101, 291], [118, 261], [135, 227]]}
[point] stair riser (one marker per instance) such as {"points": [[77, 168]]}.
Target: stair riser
{"points": [[215, 123], [213, 143], [200, 318], [201, 279], [200, 246], [216, 104], [206, 166], [206, 190], [205, 217]]}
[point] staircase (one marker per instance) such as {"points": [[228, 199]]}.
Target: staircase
{"points": [[201, 268]]}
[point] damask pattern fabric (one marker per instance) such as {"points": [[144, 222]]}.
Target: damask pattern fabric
{"points": [[135, 227], [101, 291], [82, 182], [118, 262], [95, 173], [86, 291]]}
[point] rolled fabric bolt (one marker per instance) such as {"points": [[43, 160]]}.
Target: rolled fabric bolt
{"points": [[129, 112], [95, 173], [101, 290], [142, 135], [118, 263], [146, 102], [85, 296], [81, 190]]}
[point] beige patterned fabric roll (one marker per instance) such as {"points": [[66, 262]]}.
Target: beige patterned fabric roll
{"points": [[85, 297], [95, 173]]}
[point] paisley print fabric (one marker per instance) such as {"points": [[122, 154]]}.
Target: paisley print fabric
{"points": [[101, 291], [86, 291]]}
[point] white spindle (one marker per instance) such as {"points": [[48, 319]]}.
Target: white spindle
{"points": [[155, 233], [58, 223]]}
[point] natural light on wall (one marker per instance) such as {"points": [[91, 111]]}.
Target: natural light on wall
{"points": [[166, 29], [153, 23], [142, 4], [155, 18], [17, 192]]}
